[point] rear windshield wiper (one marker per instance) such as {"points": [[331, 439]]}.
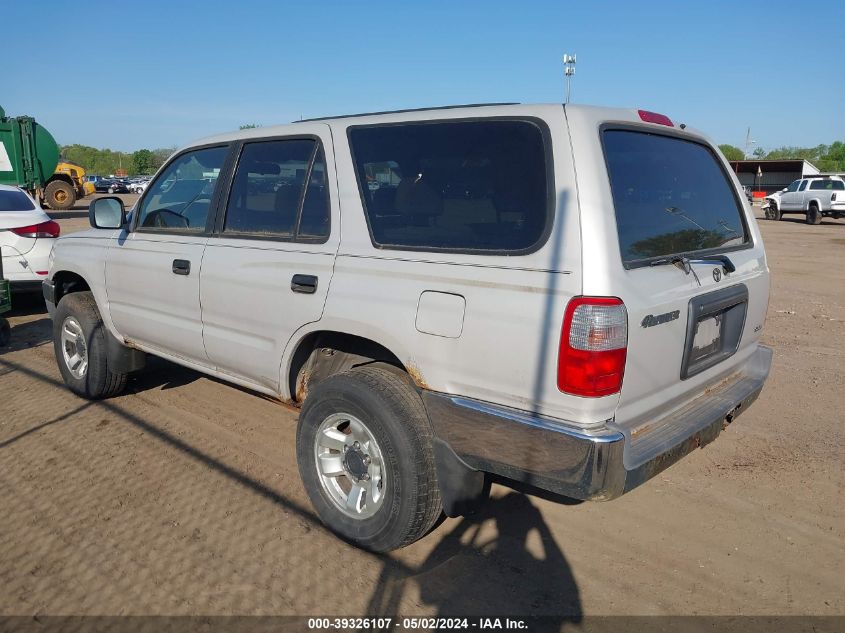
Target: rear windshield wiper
{"points": [[683, 262]]}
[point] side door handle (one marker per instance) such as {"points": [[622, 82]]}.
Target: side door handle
{"points": [[181, 267], [306, 284]]}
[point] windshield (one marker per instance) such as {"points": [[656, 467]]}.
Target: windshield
{"points": [[15, 200], [671, 197]]}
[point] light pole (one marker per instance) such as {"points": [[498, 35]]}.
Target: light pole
{"points": [[569, 71]]}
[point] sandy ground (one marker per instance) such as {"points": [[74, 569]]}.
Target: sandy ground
{"points": [[182, 497]]}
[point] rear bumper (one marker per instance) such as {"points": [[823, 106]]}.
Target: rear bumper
{"points": [[600, 464]]}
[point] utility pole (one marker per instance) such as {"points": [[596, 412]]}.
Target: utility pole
{"points": [[569, 71]]}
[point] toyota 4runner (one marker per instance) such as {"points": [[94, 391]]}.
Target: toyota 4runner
{"points": [[567, 297]]}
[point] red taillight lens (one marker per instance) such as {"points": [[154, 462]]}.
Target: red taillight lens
{"points": [[654, 117], [45, 229], [593, 347]]}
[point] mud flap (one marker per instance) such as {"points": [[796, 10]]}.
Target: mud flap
{"points": [[462, 488]]}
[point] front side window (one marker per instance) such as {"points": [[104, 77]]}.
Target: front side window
{"points": [[671, 196], [279, 189], [793, 186], [803, 185], [457, 185], [180, 198]]}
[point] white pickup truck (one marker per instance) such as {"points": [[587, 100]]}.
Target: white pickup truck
{"points": [[814, 196], [569, 297]]}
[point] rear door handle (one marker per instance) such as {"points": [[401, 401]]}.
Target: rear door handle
{"points": [[306, 284], [181, 267]]}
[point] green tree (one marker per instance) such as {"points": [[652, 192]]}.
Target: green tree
{"points": [[142, 160], [160, 155], [759, 153], [731, 152]]}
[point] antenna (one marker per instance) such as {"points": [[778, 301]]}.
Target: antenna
{"points": [[569, 71], [748, 142]]}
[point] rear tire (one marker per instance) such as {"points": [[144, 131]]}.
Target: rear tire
{"points": [[814, 215], [370, 415], [59, 195], [79, 341]]}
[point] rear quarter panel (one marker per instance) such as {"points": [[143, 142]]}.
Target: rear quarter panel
{"points": [[506, 352]]}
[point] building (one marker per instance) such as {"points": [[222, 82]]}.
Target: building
{"points": [[768, 176]]}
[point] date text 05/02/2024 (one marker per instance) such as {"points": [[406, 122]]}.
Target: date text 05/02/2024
{"points": [[477, 623]]}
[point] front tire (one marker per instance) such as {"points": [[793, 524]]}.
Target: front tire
{"points": [[772, 212], [79, 341], [814, 215], [364, 449], [59, 195]]}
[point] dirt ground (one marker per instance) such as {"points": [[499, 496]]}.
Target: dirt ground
{"points": [[182, 497]]}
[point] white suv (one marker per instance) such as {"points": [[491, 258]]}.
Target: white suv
{"points": [[568, 297]]}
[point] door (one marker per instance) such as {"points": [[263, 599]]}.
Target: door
{"points": [[153, 272], [789, 200], [267, 268], [801, 196]]}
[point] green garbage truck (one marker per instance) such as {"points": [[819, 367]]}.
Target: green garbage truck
{"points": [[29, 157]]}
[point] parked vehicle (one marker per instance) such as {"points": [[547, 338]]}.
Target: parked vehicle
{"points": [[749, 195], [138, 187], [474, 316], [29, 158], [111, 186], [814, 196], [27, 235]]}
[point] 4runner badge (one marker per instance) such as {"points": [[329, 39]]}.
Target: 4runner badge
{"points": [[651, 320], [717, 274]]}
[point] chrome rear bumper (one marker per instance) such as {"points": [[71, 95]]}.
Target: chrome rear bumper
{"points": [[600, 464]]}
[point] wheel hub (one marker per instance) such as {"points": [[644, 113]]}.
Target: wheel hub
{"points": [[350, 465], [356, 462], [74, 349]]}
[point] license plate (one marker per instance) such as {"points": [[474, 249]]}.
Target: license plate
{"points": [[707, 337], [714, 328]]}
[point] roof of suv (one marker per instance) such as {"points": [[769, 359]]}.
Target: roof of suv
{"points": [[541, 110]]}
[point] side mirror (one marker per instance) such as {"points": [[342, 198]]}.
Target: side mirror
{"points": [[783, 190], [107, 213]]}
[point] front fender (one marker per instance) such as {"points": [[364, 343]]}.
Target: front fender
{"points": [[84, 254]]}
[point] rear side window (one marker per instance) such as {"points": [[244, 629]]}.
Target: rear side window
{"points": [[15, 200], [478, 186], [279, 190], [671, 197], [828, 185]]}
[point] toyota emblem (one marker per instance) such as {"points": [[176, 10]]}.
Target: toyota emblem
{"points": [[717, 274]]}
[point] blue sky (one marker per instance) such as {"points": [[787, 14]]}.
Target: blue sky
{"points": [[157, 74]]}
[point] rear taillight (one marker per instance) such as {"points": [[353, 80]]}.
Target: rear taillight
{"points": [[654, 117], [45, 229], [593, 347]]}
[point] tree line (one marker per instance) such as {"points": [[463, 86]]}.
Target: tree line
{"points": [[104, 162], [828, 158]]}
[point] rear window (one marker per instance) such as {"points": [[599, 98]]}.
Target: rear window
{"points": [[15, 200], [671, 196], [829, 185], [458, 185]]}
